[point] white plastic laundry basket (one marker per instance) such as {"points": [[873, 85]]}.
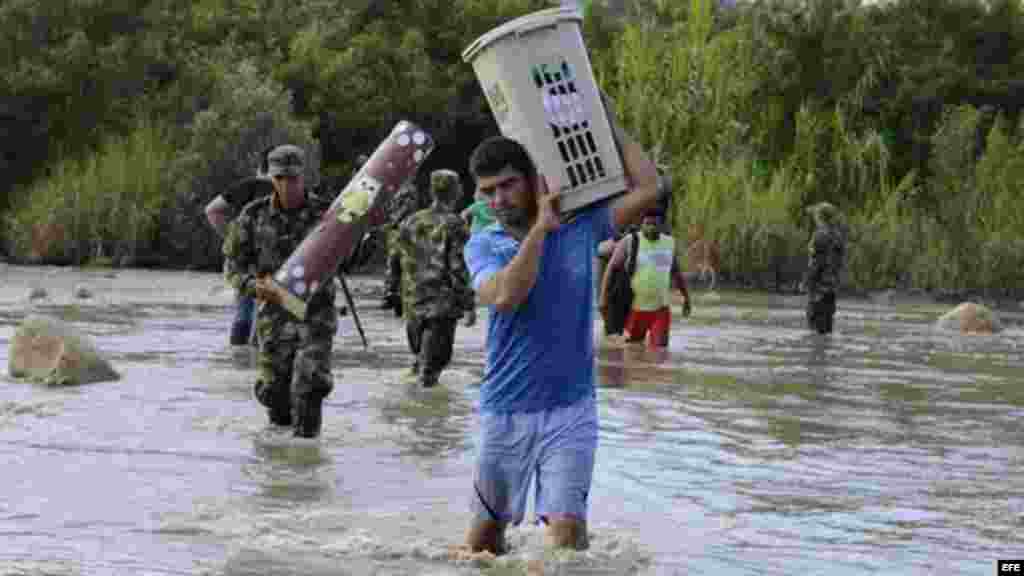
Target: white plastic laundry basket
{"points": [[538, 81]]}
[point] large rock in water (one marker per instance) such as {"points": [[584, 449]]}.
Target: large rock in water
{"points": [[970, 317], [50, 351]]}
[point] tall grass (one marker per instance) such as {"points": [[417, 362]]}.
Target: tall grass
{"points": [[960, 229], [97, 209], [690, 95], [748, 214]]}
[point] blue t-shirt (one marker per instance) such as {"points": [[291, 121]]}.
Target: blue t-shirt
{"points": [[541, 355]]}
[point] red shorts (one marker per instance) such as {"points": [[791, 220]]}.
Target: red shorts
{"points": [[654, 322]]}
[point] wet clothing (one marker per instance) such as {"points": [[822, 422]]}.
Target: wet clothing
{"points": [[431, 341], [537, 399], [393, 278], [821, 312], [653, 325], [435, 285], [654, 266], [557, 445], [827, 250], [294, 368], [541, 355]]}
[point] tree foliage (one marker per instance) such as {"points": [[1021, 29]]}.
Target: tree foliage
{"points": [[899, 111]]}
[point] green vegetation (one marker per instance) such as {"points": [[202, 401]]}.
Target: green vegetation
{"points": [[124, 118], [905, 115], [99, 208]]}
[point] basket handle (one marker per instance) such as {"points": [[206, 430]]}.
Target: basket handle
{"points": [[528, 29], [534, 26]]}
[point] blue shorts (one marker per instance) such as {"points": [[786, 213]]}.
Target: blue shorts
{"points": [[555, 446]]}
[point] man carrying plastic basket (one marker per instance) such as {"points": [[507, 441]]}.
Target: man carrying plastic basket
{"points": [[537, 399]]}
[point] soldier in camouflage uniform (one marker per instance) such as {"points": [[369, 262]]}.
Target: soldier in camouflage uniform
{"points": [[400, 206], [827, 255], [435, 282], [294, 358]]}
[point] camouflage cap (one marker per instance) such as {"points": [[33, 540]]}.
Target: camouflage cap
{"points": [[288, 160], [824, 210], [445, 185]]}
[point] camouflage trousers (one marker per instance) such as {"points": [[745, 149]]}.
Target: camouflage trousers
{"points": [[292, 369], [393, 282], [431, 341], [821, 309], [394, 279]]}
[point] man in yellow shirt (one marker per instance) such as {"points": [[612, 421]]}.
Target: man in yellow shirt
{"points": [[650, 256]]}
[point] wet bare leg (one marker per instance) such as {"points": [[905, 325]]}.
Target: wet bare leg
{"points": [[639, 334], [486, 535], [567, 532]]}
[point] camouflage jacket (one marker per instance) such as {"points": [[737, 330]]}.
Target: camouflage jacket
{"points": [[827, 255], [258, 243], [403, 204], [435, 281]]}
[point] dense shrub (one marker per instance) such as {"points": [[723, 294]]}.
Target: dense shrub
{"points": [[100, 209], [248, 112]]}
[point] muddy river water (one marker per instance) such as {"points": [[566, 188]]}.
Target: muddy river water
{"points": [[748, 447]]}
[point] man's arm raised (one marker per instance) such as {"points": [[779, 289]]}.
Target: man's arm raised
{"points": [[641, 176], [510, 286]]}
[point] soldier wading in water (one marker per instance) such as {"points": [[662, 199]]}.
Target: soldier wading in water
{"points": [[294, 358]]}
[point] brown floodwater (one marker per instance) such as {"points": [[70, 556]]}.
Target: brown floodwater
{"points": [[749, 446]]}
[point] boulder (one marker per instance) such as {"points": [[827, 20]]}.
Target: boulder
{"points": [[969, 317], [52, 352]]}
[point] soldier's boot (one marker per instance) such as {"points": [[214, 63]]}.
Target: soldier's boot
{"points": [[307, 412], [390, 301], [278, 404], [429, 379], [392, 285]]}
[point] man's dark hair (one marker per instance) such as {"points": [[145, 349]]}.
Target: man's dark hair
{"points": [[656, 212], [264, 159], [499, 152]]}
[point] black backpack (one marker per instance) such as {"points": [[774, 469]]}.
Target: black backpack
{"points": [[620, 290]]}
